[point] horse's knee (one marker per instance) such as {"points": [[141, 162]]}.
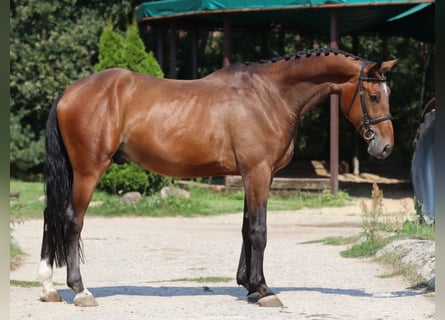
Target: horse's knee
{"points": [[258, 235]]}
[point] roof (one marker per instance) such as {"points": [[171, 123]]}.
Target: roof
{"points": [[307, 16]]}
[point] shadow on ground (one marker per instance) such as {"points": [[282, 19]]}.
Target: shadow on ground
{"points": [[237, 292]]}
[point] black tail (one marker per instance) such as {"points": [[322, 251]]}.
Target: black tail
{"points": [[58, 183]]}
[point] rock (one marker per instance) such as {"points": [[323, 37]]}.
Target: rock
{"points": [[131, 197], [95, 204], [432, 283], [416, 252], [167, 192]]}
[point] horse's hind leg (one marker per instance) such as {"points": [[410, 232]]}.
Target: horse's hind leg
{"points": [[45, 272], [83, 188]]}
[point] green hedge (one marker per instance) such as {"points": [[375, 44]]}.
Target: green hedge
{"points": [[131, 177]]}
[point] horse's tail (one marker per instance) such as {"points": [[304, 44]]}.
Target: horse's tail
{"points": [[58, 184]]}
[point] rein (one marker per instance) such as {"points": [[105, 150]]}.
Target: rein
{"points": [[369, 133]]}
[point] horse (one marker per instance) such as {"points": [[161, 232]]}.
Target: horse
{"points": [[238, 120], [422, 165]]}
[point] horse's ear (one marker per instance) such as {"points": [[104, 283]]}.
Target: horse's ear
{"points": [[388, 65], [381, 67]]}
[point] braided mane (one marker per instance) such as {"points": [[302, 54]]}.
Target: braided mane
{"points": [[309, 53]]}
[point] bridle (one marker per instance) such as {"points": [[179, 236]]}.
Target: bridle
{"points": [[369, 133]]}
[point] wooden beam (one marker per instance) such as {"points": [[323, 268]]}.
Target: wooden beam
{"points": [[236, 182]]}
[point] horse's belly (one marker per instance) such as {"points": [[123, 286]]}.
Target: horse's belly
{"points": [[180, 160]]}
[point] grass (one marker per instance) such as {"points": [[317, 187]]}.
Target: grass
{"points": [[24, 284], [201, 202], [27, 204], [379, 229], [16, 255], [335, 241], [377, 223], [400, 269]]}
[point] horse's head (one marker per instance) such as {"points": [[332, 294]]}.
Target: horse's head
{"points": [[366, 104]]}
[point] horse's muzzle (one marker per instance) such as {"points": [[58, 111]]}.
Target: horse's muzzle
{"points": [[379, 150]]}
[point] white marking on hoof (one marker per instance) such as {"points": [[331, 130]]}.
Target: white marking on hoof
{"points": [[85, 299], [51, 296], [45, 275]]}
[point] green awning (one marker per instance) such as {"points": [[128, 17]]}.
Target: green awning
{"points": [[307, 16]]}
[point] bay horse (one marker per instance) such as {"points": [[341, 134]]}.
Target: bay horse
{"points": [[239, 120]]}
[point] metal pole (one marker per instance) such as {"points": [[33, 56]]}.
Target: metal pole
{"points": [[334, 115]]}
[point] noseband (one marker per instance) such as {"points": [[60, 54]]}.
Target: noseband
{"points": [[369, 133]]}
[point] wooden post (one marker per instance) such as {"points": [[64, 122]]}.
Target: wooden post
{"points": [[356, 151], [194, 54], [334, 115], [172, 37], [227, 40], [160, 47]]}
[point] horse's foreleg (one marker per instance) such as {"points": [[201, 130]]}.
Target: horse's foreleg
{"points": [[243, 273], [257, 185]]}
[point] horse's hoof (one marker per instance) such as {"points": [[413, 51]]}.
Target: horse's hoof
{"points": [[85, 299], [50, 296], [253, 297], [271, 301]]}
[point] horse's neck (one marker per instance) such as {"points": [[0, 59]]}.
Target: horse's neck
{"points": [[307, 81]]}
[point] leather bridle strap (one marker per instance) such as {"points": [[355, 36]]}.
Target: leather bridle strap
{"points": [[367, 121]]}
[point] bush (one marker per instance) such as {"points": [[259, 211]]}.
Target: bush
{"points": [[131, 177]]}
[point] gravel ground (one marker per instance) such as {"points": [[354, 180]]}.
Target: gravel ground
{"points": [[134, 266]]}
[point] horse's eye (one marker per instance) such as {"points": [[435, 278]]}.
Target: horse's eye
{"points": [[373, 97]]}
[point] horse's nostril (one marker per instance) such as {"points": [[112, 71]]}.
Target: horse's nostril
{"points": [[386, 150]]}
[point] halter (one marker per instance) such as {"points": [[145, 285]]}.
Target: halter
{"points": [[369, 133]]}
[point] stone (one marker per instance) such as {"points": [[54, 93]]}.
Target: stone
{"points": [[167, 192], [131, 197], [419, 253]]}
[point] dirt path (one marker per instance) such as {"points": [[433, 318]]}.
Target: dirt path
{"points": [[133, 266]]}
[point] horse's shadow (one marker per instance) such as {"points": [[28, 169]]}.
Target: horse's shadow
{"points": [[238, 293]]}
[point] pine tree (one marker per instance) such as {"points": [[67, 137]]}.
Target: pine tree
{"points": [[110, 50], [136, 58], [128, 52]]}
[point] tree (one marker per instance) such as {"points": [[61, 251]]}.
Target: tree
{"points": [[52, 44], [136, 58], [126, 52], [110, 50]]}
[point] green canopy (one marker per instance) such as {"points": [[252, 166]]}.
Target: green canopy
{"points": [[307, 16]]}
